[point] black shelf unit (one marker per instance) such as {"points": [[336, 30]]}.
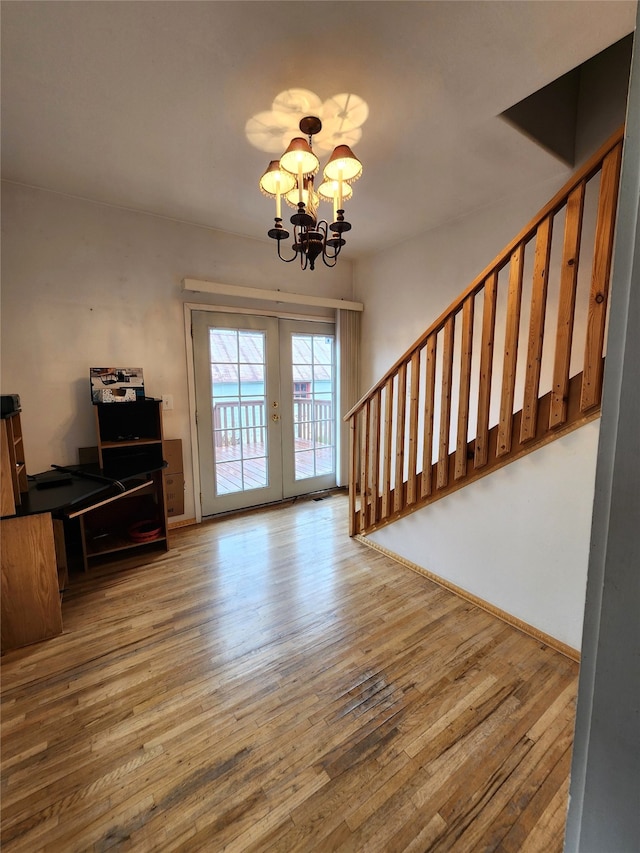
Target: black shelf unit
{"points": [[129, 438]]}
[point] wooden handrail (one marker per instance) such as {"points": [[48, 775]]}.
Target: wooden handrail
{"points": [[409, 435], [583, 174]]}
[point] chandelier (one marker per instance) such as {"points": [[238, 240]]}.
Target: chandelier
{"points": [[291, 178]]}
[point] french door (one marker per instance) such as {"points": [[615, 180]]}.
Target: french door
{"points": [[266, 408]]}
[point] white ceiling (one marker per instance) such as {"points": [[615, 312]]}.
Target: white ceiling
{"points": [[144, 104]]}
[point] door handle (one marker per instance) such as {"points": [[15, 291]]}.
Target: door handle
{"points": [[275, 417]]}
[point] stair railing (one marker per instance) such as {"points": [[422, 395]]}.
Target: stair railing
{"points": [[486, 384]]}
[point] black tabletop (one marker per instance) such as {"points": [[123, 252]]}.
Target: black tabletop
{"points": [[88, 483]]}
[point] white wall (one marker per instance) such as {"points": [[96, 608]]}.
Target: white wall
{"points": [[84, 285], [518, 538], [406, 287]]}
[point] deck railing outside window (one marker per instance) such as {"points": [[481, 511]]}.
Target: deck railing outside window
{"points": [[313, 420]]}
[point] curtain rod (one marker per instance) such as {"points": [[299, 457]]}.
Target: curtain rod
{"points": [[195, 285]]}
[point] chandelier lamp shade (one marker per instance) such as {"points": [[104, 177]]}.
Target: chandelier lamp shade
{"points": [[292, 178]]}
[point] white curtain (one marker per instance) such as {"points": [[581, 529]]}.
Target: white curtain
{"points": [[348, 345]]}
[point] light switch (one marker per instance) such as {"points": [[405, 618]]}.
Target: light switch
{"points": [[167, 402]]}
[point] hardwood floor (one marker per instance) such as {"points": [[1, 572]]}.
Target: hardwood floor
{"points": [[271, 685]]}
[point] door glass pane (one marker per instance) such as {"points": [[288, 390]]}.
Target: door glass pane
{"points": [[225, 343], [239, 405], [313, 405]]}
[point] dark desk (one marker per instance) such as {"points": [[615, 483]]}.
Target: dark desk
{"points": [[81, 521], [82, 490], [105, 512]]}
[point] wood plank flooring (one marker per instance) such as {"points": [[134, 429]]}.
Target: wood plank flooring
{"points": [[271, 685]]}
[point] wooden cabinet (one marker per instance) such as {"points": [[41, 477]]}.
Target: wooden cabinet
{"points": [[135, 520], [173, 477], [29, 567], [7, 494], [14, 471], [31, 607]]}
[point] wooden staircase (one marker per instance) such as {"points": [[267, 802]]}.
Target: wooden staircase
{"points": [[515, 362]]}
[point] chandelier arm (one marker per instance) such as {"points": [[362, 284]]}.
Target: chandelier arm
{"points": [[333, 257], [299, 232], [329, 260], [286, 260]]}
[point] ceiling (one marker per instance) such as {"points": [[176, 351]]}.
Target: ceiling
{"points": [[144, 104]]}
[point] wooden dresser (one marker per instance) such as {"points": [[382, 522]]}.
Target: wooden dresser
{"points": [[31, 602]]}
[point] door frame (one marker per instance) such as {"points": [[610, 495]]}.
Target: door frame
{"points": [[213, 501], [189, 307]]}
